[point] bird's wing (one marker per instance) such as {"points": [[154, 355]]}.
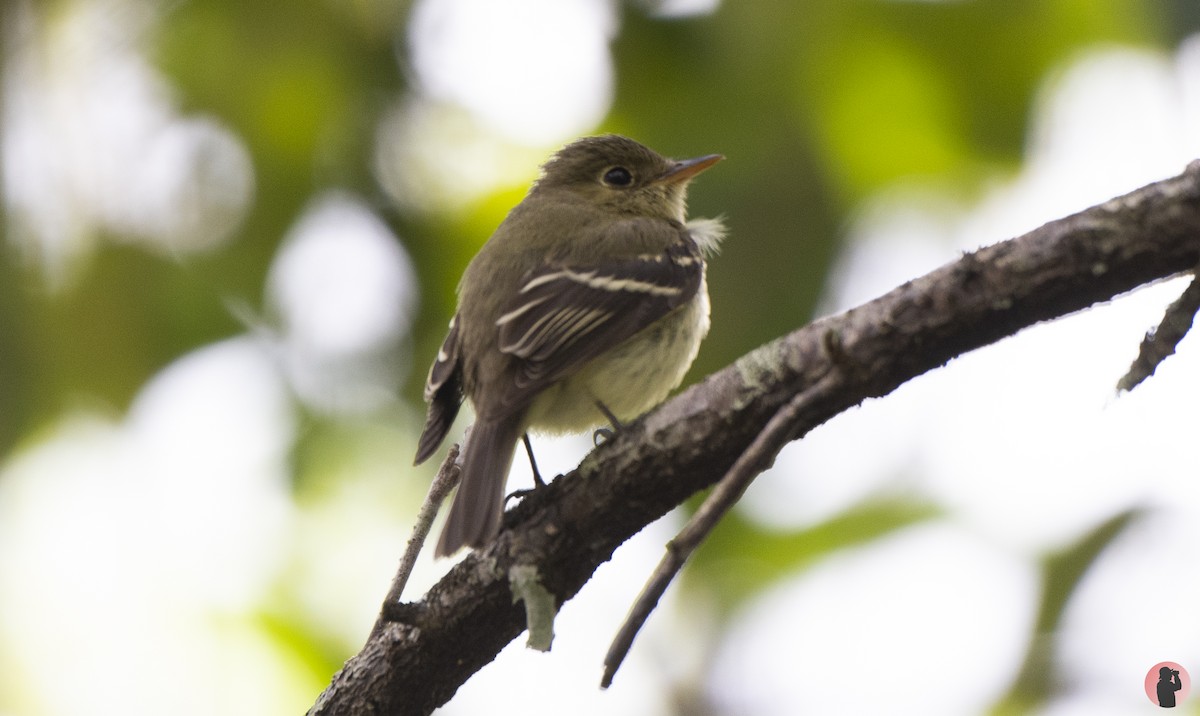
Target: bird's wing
{"points": [[443, 392], [565, 315]]}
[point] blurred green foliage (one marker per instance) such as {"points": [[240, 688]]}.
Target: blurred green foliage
{"points": [[818, 105]]}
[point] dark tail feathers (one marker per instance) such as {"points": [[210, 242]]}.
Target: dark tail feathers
{"points": [[475, 515]]}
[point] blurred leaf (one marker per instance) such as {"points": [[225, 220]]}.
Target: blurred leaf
{"points": [[21, 369], [898, 91], [1062, 573], [310, 656], [741, 558], [884, 110]]}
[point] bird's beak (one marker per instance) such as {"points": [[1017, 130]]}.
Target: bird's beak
{"points": [[685, 169]]}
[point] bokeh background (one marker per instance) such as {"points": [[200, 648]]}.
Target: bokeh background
{"points": [[232, 232]]}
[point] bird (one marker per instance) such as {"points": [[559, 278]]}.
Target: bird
{"points": [[586, 305]]}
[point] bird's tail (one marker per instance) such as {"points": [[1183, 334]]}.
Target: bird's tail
{"points": [[475, 515]]}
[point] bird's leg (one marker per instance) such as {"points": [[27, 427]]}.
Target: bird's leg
{"points": [[537, 476], [538, 482], [603, 435]]}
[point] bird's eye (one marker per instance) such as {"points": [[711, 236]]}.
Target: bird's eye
{"points": [[618, 176]]}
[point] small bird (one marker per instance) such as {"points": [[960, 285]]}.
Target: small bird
{"points": [[587, 304]]}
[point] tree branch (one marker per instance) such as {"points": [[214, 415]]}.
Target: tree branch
{"points": [[418, 654]]}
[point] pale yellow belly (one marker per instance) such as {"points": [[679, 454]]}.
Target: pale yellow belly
{"points": [[630, 379]]}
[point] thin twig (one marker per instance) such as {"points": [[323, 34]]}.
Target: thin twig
{"points": [[445, 480], [1160, 342], [777, 433]]}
